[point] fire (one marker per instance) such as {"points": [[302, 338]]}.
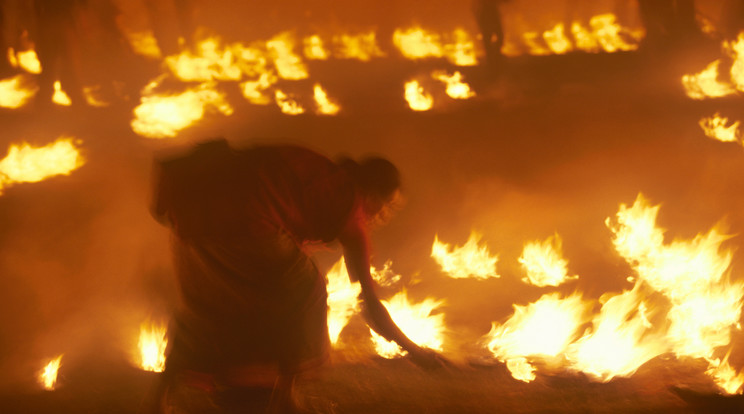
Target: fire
{"points": [[92, 96], [162, 116], [706, 84], [288, 64], [253, 90], [27, 164], [210, 62], [16, 91], [715, 128], [417, 321], [362, 46], [456, 88], [287, 104], [725, 376], [704, 305], [541, 329], [544, 264], [417, 98], [48, 376], [469, 260], [557, 40], [26, 60], [343, 299], [152, 343], [736, 50], [418, 43], [584, 39], [619, 341], [60, 97], [143, 43], [314, 48], [611, 36], [325, 106]]}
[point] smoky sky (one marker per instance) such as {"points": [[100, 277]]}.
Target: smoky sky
{"points": [[541, 149]]}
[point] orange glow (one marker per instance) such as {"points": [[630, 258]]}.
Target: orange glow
{"points": [[467, 261], [16, 91], [26, 60], [152, 343], [715, 128], [544, 264], [361, 46], [584, 38], [541, 329], [417, 321], [343, 299], [143, 43], [325, 105], [48, 376], [613, 37], [456, 88], [288, 64], [287, 104], [417, 43], [210, 62], [253, 91], [706, 84], [164, 115], [417, 98], [60, 97], [557, 40], [736, 50], [619, 341], [314, 48], [27, 164]]}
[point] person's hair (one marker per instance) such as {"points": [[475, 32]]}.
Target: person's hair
{"points": [[375, 176]]}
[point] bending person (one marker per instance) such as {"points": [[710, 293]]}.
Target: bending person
{"points": [[251, 296]]}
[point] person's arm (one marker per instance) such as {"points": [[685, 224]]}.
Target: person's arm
{"points": [[355, 242]]}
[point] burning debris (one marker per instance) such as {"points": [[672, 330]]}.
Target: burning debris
{"points": [[715, 128], [544, 264], [417, 98], [17, 91]]}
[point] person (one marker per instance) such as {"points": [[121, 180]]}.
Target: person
{"points": [[251, 296], [490, 23]]}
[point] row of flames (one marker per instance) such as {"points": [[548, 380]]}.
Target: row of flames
{"points": [[682, 303], [257, 68]]}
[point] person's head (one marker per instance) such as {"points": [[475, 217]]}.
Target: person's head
{"points": [[378, 182]]}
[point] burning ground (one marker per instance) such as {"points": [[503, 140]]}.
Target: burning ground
{"points": [[542, 164]]}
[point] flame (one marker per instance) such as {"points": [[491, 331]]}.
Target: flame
{"points": [[456, 88], [92, 96], [619, 341], [253, 90], [610, 34], [162, 116], [469, 260], [27, 164], [725, 376], [557, 40], [288, 105], [416, 321], [584, 38], [715, 128], [313, 48], [60, 97], [288, 64], [16, 91], [152, 343], [544, 263], [417, 43], [543, 329], [417, 98], [211, 62], [706, 84], [325, 106], [26, 60], [361, 46], [343, 299], [461, 51], [736, 50], [48, 376], [144, 43], [704, 305]]}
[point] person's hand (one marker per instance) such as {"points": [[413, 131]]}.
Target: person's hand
{"points": [[428, 358]]}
